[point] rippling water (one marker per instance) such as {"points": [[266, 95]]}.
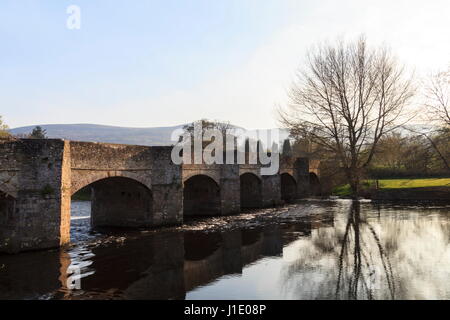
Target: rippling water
{"points": [[311, 250]]}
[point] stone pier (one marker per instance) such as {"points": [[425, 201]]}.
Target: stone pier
{"points": [[131, 186]]}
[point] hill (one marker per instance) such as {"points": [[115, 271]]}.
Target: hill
{"points": [[153, 136], [156, 136]]}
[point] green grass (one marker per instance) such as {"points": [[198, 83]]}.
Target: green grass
{"points": [[413, 183], [392, 184]]}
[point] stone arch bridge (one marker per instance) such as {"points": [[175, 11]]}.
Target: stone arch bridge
{"points": [[132, 186]]}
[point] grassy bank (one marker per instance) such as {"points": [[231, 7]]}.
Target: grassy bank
{"points": [[386, 185]]}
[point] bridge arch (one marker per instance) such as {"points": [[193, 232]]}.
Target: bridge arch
{"points": [[314, 184], [120, 201], [288, 187], [251, 190], [81, 178], [201, 196]]}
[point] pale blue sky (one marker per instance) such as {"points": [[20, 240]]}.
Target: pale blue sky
{"points": [[158, 63]]}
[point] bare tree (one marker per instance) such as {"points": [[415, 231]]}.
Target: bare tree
{"points": [[197, 131], [437, 103], [346, 98], [391, 151], [205, 124], [437, 93], [439, 140]]}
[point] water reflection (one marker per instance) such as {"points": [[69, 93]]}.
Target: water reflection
{"points": [[373, 252], [339, 250], [360, 247]]}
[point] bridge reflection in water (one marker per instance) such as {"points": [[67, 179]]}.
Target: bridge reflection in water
{"points": [[336, 251], [163, 265]]}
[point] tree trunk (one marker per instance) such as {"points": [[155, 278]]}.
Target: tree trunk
{"points": [[354, 183]]}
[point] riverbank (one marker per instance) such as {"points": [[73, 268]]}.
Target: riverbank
{"points": [[401, 189], [427, 194]]}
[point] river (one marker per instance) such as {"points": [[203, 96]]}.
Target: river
{"points": [[316, 249]]}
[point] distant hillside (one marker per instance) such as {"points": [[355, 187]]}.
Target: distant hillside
{"points": [[157, 136]]}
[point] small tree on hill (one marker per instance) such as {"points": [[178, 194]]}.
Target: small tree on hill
{"points": [[38, 133]]}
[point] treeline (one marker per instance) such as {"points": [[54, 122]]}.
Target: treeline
{"points": [[401, 155], [356, 107]]}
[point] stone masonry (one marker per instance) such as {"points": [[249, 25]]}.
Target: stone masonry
{"points": [[132, 186]]}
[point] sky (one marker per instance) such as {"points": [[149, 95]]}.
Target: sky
{"points": [[162, 63]]}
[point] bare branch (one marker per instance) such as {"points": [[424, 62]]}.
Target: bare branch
{"points": [[345, 99]]}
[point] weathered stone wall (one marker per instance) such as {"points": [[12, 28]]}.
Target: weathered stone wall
{"points": [[271, 190], [314, 166], [167, 188], [228, 178], [297, 168], [66, 187], [7, 218], [91, 162], [35, 168], [230, 189], [151, 167], [302, 173], [38, 177]]}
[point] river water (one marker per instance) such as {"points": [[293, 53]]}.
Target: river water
{"points": [[328, 249]]}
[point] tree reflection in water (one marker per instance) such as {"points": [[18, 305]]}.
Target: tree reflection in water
{"points": [[356, 255], [357, 268], [330, 250]]}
